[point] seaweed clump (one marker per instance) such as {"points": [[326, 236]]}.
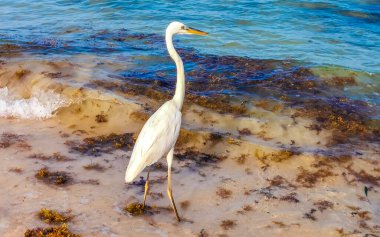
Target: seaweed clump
{"points": [[224, 193], [185, 137], [60, 231], [310, 215], [280, 182], [94, 146], [10, 139], [341, 82], [101, 118], [54, 217], [94, 166], [20, 74], [323, 205], [245, 209], [363, 176], [275, 156], [139, 116], [135, 209], [57, 156], [228, 224], [308, 179], [346, 118], [291, 197], [59, 178], [199, 159], [218, 103]]}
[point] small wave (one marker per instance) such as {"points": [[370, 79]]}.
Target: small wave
{"points": [[40, 105]]}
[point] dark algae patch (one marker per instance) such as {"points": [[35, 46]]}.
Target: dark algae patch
{"points": [[310, 215], [60, 231], [231, 84], [346, 118], [59, 178], [198, 159], [95, 146]]}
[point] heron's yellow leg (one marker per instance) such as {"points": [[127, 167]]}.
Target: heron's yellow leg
{"points": [[169, 190], [146, 187]]}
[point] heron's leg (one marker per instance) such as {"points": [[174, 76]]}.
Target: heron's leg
{"points": [[170, 159], [146, 187]]}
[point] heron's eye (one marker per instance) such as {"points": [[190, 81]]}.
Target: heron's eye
{"points": [[182, 27]]}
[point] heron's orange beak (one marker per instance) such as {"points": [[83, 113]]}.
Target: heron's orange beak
{"points": [[196, 32]]}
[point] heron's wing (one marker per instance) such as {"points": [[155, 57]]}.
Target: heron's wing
{"points": [[156, 138]]}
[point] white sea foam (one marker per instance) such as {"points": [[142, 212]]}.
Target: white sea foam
{"points": [[40, 105]]}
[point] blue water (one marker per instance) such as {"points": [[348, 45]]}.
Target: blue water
{"points": [[343, 33]]}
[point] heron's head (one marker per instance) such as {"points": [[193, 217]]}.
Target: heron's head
{"points": [[180, 28]]}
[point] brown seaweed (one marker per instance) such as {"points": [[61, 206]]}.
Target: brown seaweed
{"points": [[59, 178], [310, 215], [322, 205], [309, 179], [363, 176], [198, 159], [291, 197], [54, 217], [101, 118], [95, 146], [10, 139], [135, 209], [94, 166], [57, 156], [60, 231], [228, 224], [223, 193]]}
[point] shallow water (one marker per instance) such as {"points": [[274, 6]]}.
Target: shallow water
{"points": [[318, 32]]}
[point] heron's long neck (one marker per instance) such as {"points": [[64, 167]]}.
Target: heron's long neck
{"points": [[180, 87]]}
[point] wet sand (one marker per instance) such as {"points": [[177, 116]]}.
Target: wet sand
{"points": [[261, 172]]}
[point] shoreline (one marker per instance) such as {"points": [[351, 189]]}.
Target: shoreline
{"points": [[282, 194], [238, 168]]}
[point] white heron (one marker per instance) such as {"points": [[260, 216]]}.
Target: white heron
{"points": [[159, 134]]}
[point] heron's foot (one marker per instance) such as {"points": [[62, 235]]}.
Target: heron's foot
{"points": [[173, 204]]}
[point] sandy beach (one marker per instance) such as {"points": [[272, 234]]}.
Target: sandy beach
{"points": [[280, 129], [234, 175]]}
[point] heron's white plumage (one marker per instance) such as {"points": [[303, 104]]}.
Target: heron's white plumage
{"points": [[159, 134], [155, 140]]}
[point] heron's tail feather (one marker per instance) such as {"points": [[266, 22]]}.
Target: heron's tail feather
{"points": [[134, 169]]}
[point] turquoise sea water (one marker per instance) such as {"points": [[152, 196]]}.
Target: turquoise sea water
{"points": [[260, 49], [343, 33]]}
